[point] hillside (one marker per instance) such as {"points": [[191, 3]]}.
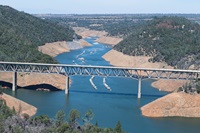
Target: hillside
{"points": [[118, 25], [174, 40], [21, 34]]}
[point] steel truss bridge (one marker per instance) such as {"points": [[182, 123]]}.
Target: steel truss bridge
{"points": [[103, 71]]}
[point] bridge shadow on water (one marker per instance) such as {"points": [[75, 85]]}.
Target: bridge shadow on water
{"points": [[6, 84], [42, 86], [112, 93], [31, 87], [53, 88]]}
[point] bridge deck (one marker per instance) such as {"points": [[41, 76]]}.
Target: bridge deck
{"points": [[107, 71]]}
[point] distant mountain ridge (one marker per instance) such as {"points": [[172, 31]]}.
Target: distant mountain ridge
{"points": [[21, 34], [175, 40]]}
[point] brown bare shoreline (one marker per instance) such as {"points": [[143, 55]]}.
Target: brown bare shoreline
{"points": [[19, 106], [102, 35], [31, 79], [119, 59], [56, 48]]}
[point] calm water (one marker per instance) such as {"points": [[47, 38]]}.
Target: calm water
{"points": [[120, 104]]}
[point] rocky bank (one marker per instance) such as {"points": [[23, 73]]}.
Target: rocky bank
{"points": [[30, 79], [55, 48], [33, 79], [175, 104], [102, 35], [84, 32], [20, 106], [53, 81], [119, 59], [109, 40]]}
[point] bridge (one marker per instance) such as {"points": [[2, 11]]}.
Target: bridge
{"points": [[103, 71]]}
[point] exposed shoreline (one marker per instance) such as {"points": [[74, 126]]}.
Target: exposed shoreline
{"points": [[119, 59], [174, 104], [109, 40], [20, 107], [30, 79], [56, 48], [51, 81], [102, 35], [84, 32]]}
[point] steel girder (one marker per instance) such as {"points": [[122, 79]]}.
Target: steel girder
{"points": [[105, 71]]}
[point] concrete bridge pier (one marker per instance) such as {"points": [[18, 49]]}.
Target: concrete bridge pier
{"points": [[139, 87], [67, 85], [14, 85]]}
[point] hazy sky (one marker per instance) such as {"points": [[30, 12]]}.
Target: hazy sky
{"points": [[104, 6]]}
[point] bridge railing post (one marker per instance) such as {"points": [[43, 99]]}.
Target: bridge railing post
{"points": [[67, 85], [14, 85]]}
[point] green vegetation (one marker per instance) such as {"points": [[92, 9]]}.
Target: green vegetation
{"points": [[115, 25], [174, 40], [120, 25], [21, 34], [193, 87], [12, 122]]}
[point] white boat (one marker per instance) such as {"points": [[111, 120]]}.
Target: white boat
{"points": [[82, 59]]}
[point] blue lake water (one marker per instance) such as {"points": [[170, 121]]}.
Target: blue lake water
{"points": [[120, 104]]}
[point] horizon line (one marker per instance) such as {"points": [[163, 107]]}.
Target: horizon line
{"points": [[115, 13]]}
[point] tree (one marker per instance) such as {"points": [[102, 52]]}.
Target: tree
{"points": [[198, 87], [161, 38], [41, 119], [89, 115], [63, 128], [60, 117], [118, 128], [21, 34], [73, 118]]}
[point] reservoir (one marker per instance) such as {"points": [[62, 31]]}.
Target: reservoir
{"points": [[120, 103]]}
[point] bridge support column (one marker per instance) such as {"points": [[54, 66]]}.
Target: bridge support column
{"points": [[139, 87], [14, 85], [67, 85]]}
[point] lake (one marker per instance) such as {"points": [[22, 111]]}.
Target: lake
{"points": [[120, 104]]}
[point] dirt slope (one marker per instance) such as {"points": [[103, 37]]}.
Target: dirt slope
{"points": [[174, 104]]}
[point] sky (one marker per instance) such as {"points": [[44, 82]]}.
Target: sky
{"points": [[104, 6]]}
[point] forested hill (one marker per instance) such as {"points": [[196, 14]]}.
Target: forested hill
{"points": [[174, 40], [21, 33]]}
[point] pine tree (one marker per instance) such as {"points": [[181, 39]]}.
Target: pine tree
{"points": [[118, 128]]}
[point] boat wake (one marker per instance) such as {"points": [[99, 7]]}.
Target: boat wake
{"points": [[104, 83], [80, 54], [91, 82]]}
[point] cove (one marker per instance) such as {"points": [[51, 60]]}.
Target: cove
{"points": [[120, 104]]}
